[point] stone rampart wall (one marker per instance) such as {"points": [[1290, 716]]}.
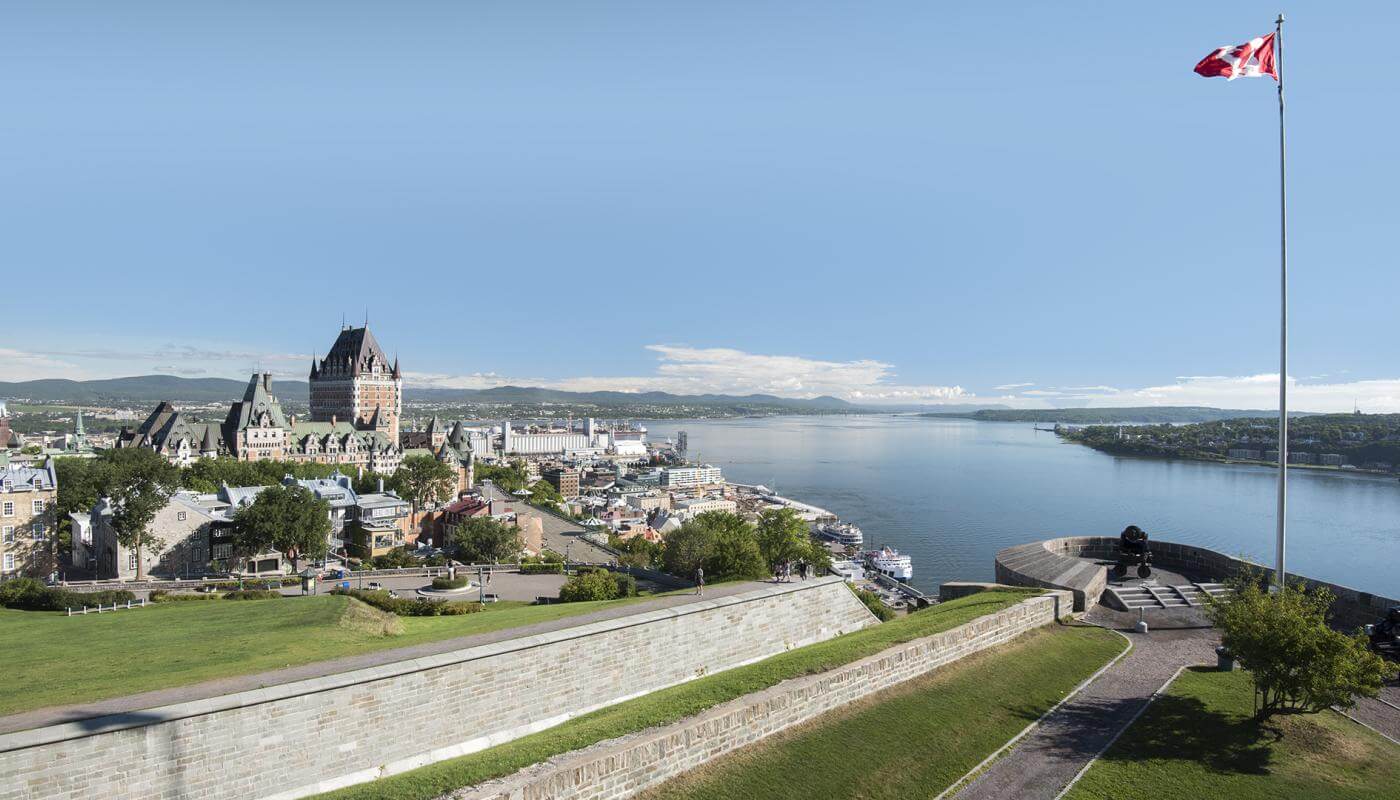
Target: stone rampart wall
{"points": [[300, 738], [622, 767]]}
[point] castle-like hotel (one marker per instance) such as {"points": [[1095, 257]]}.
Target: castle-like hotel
{"points": [[356, 405]]}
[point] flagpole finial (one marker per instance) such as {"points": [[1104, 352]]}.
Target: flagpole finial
{"points": [[1279, 21]]}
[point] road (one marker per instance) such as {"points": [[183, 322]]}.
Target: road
{"points": [[560, 535]]}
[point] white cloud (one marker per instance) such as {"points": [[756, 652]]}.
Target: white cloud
{"points": [[718, 370], [1007, 387], [19, 365], [1261, 392]]}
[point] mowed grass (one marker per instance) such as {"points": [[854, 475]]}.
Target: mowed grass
{"points": [[51, 659], [915, 739], [677, 702], [1199, 740]]}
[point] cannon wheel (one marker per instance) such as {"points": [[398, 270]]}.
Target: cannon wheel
{"points": [[1144, 570], [1120, 569]]}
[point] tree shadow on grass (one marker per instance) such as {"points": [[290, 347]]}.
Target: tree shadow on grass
{"points": [[1173, 728], [1183, 729]]}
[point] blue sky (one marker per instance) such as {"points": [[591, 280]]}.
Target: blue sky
{"points": [[890, 201]]}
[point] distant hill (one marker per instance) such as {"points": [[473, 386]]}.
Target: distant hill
{"points": [[1112, 416], [143, 389]]}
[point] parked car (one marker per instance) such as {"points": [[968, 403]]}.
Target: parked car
{"points": [[374, 586], [490, 597]]}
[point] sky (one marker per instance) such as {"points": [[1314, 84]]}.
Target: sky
{"points": [[1029, 204]]}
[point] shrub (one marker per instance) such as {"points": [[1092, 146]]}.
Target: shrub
{"points": [[251, 594], [404, 607], [546, 568], [881, 611], [445, 582], [167, 596], [395, 559], [597, 585], [29, 594]]}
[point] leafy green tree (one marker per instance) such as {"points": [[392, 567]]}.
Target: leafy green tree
{"points": [[483, 540], [139, 482], [782, 536], [723, 543], [542, 492], [289, 519], [423, 480], [1297, 662], [509, 477], [636, 551], [590, 586], [81, 482]]}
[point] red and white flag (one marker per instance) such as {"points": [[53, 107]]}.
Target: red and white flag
{"points": [[1253, 59]]}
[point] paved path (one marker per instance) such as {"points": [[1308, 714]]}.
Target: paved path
{"points": [[1049, 757], [198, 691], [560, 535]]}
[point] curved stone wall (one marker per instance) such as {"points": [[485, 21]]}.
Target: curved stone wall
{"points": [[1058, 564]]}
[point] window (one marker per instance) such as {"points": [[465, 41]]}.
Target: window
{"points": [[8, 509], [38, 506], [131, 561], [9, 563], [223, 550], [180, 516], [38, 531], [9, 534]]}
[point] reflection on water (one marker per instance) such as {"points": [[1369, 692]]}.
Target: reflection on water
{"points": [[952, 492]]}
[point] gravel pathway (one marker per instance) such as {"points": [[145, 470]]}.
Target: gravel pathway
{"points": [[239, 683], [1052, 754]]}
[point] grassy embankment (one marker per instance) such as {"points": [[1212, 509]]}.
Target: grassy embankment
{"points": [[915, 739], [677, 702], [1199, 740], [174, 644]]}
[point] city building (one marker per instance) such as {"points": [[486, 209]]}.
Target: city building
{"points": [[690, 477], [563, 479], [356, 383], [690, 509], [28, 496], [344, 429], [380, 524], [551, 442]]}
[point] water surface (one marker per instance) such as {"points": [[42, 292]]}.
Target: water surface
{"points": [[953, 492]]}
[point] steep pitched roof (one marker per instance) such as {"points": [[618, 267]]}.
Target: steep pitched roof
{"points": [[257, 400], [356, 349]]}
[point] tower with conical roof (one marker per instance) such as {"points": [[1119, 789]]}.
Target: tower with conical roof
{"points": [[357, 383]]}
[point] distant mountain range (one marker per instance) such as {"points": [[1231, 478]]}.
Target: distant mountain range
{"points": [[1114, 416], [154, 388]]}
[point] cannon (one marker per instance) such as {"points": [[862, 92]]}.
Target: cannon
{"points": [[1133, 550], [1384, 636]]}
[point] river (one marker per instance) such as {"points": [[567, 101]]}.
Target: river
{"points": [[951, 493]]}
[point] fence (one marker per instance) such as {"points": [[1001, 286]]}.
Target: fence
{"points": [[98, 609]]}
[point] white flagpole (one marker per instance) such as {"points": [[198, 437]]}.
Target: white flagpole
{"points": [[1283, 317]]}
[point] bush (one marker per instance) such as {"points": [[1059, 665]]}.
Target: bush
{"points": [[167, 596], [29, 594], [404, 607], [444, 583], [395, 559], [548, 568], [881, 611], [251, 594], [597, 585]]}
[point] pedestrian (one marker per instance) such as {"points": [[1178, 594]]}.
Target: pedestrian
{"points": [[699, 580]]}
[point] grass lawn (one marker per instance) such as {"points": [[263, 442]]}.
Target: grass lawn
{"points": [[677, 702], [915, 739], [1199, 740], [51, 659]]}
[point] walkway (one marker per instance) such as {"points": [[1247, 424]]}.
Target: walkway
{"points": [[1381, 714], [1049, 757], [560, 535], [240, 683]]}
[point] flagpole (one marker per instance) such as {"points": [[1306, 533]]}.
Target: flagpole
{"points": [[1283, 316]]}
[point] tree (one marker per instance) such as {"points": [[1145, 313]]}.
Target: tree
{"points": [[1297, 662], [289, 519], [598, 585], [782, 537], [721, 542], [139, 483], [637, 551], [542, 492], [483, 540], [509, 477], [423, 479], [81, 482]]}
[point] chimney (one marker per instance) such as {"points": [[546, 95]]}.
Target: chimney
{"points": [[332, 420], [294, 420], [381, 483]]}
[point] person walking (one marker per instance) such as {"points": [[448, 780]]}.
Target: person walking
{"points": [[699, 580]]}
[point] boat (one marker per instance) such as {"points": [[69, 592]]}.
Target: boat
{"points": [[843, 533], [888, 561]]}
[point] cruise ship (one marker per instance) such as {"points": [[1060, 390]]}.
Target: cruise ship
{"points": [[888, 561], [843, 533]]}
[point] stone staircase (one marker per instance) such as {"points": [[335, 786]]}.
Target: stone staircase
{"points": [[1191, 595]]}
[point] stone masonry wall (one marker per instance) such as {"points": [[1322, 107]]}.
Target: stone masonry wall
{"points": [[300, 738], [622, 767]]}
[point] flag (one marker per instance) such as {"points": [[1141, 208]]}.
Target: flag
{"points": [[1253, 59]]}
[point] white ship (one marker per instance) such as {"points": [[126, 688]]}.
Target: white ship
{"points": [[843, 533], [888, 561]]}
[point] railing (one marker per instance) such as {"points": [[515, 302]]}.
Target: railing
{"points": [[115, 607]]}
